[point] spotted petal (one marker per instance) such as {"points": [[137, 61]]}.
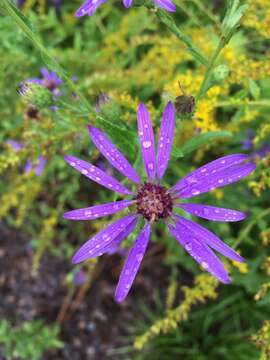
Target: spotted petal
{"points": [[112, 154], [147, 140], [165, 139], [200, 252], [207, 171], [104, 240], [97, 211], [132, 264], [89, 7], [212, 213], [210, 177], [165, 4], [208, 238], [127, 3], [97, 175]]}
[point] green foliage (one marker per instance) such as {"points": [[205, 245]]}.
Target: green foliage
{"points": [[221, 57], [29, 341]]}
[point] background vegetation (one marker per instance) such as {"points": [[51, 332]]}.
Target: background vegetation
{"points": [[52, 310]]}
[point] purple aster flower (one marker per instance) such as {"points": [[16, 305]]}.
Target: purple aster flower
{"points": [[38, 168], [49, 80], [40, 164], [89, 7], [153, 202]]}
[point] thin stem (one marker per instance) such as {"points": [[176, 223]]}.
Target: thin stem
{"points": [[243, 235], [210, 68], [263, 103], [36, 42], [207, 12]]}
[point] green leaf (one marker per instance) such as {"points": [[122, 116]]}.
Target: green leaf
{"points": [[123, 138], [177, 153], [169, 22], [203, 139], [21, 16], [254, 89]]}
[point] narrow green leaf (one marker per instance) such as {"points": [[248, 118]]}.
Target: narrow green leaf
{"points": [[169, 22], [254, 89], [177, 153], [123, 138], [202, 139]]}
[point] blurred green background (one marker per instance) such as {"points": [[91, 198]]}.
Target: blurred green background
{"points": [[50, 309]]}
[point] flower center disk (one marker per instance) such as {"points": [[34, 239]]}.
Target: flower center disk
{"points": [[154, 202]]}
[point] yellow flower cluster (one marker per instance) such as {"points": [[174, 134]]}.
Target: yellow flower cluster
{"points": [[47, 233], [265, 236], [171, 293], [258, 17], [205, 288], [20, 197], [262, 340], [242, 267]]}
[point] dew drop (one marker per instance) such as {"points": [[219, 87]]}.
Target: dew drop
{"points": [[195, 192], [188, 247], [205, 265], [146, 144], [88, 213], [220, 181], [84, 171], [150, 166]]}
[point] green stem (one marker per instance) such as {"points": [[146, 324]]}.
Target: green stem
{"points": [[166, 19], [243, 235], [18, 19], [262, 103], [204, 85], [207, 12]]}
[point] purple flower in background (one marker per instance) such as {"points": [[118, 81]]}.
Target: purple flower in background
{"points": [[49, 80], [89, 7], [39, 164], [153, 202], [248, 144]]}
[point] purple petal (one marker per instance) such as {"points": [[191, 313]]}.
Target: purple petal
{"points": [[165, 139], [208, 238], [200, 252], [206, 171], [127, 3], [97, 211], [97, 175], [216, 174], [112, 154], [45, 73], [147, 140], [89, 7], [16, 146], [28, 167], [40, 165], [212, 213], [117, 241], [132, 264], [104, 240], [165, 4]]}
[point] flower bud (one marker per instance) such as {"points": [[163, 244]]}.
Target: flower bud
{"points": [[36, 95]]}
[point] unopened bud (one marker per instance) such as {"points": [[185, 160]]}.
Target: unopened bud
{"points": [[36, 95]]}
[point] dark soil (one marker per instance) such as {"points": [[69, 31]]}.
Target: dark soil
{"points": [[98, 325]]}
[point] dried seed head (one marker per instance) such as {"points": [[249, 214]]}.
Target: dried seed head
{"points": [[154, 202]]}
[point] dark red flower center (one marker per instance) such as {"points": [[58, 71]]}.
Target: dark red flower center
{"points": [[154, 202]]}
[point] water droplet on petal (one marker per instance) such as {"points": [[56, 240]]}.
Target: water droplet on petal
{"points": [[84, 171], [146, 144], [195, 192], [188, 247], [205, 265]]}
